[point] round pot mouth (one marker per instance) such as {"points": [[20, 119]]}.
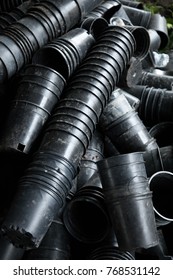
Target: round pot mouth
{"points": [[161, 199], [86, 220]]}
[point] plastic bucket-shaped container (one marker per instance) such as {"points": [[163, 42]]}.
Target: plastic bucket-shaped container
{"points": [[42, 193], [85, 216], [65, 54], [162, 132], [110, 253], [161, 184], [54, 246], [129, 200], [38, 90]]}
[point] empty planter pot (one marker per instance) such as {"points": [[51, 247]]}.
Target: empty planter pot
{"points": [[86, 216], [129, 200], [38, 90]]}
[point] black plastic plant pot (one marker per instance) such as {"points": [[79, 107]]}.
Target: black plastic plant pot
{"points": [[157, 80], [155, 105], [94, 26], [85, 216], [123, 126], [110, 253], [142, 38], [66, 53], [41, 194], [160, 184], [162, 133], [38, 91], [8, 251], [129, 200], [138, 17], [54, 246], [159, 24], [88, 164]]}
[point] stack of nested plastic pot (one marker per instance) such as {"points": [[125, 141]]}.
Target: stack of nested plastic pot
{"points": [[85, 128]]}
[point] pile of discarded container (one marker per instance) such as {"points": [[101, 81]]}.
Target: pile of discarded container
{"points": [[86, 119]]}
